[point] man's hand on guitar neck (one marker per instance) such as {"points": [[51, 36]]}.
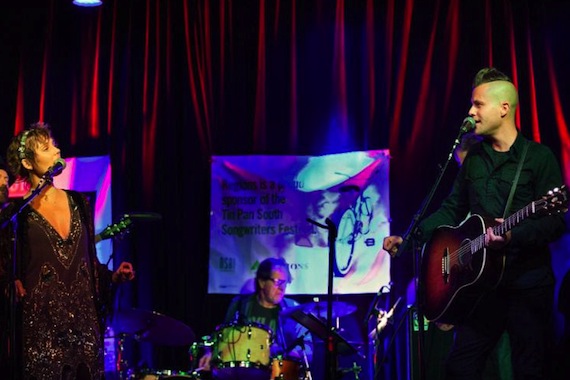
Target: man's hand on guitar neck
{"points": [[497, 242], [391, 244]]}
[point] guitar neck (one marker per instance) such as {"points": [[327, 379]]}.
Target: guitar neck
{"points": [[114, 230], [508, 224], [516, 218]]}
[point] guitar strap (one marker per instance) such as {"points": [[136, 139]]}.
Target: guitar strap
{"points": [[516, 180]]}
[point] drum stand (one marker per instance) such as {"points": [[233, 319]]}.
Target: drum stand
{"points": [[308, 375], [121, 362]]}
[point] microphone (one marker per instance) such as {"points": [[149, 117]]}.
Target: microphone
{"points": [[468, 125], [55, 169]]}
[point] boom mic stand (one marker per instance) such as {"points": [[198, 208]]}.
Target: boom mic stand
{"points": [[10, 216], [330, 343], [411, 235]]}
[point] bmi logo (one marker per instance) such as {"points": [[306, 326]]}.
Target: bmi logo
{"points": [[227, 264]]}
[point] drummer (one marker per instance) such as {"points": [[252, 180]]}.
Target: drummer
{"points": [[264, 306]]}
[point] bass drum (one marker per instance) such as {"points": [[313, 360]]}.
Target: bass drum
{"points": [[241, 352]]}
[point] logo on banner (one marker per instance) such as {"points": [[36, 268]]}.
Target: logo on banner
{"points": [[227, 264]]}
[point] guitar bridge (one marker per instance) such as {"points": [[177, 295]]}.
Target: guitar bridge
{"points": [[445, 265]]}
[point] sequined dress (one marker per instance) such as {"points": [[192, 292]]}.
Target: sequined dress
{"points": [[60, 329]]}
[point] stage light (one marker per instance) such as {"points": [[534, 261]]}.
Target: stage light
{"points": [[87, 3]]}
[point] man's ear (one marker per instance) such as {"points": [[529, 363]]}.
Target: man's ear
{"points": [[505, 108]]}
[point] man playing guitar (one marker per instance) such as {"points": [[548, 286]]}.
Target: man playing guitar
{"points": [[492, 273]]}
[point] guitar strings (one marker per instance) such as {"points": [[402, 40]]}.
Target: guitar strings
{"points": [[478, 243]]}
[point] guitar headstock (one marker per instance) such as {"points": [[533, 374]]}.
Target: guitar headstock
{"points": [[556, 200], [114, 230]]}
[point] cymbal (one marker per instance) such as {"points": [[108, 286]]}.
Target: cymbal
{"points": [[153, 327], [319, 309]]}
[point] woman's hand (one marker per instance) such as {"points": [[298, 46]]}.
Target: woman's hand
{"points": [[20, 290], [124, 273]]}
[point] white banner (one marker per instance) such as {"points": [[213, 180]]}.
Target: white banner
{"points": [[274, 206]]}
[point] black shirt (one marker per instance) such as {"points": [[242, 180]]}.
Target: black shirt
{"points": [[482, 187]]}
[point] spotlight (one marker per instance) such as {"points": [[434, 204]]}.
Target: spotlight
{"points": [[87, 3]]}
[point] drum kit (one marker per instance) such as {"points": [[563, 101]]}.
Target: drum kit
{"points": [[242, 351], [148, 327], [239, 351]]}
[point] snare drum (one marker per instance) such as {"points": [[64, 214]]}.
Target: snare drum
{"points": [[286, 369], [241, 351]]}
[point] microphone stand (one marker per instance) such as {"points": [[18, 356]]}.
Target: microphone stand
{"points": [[331, 348], [308, 374], [412, 233], [372, 311], [10, 216]]}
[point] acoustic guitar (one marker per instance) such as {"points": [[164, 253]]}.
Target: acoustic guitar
{"points": [[457, 268]]}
